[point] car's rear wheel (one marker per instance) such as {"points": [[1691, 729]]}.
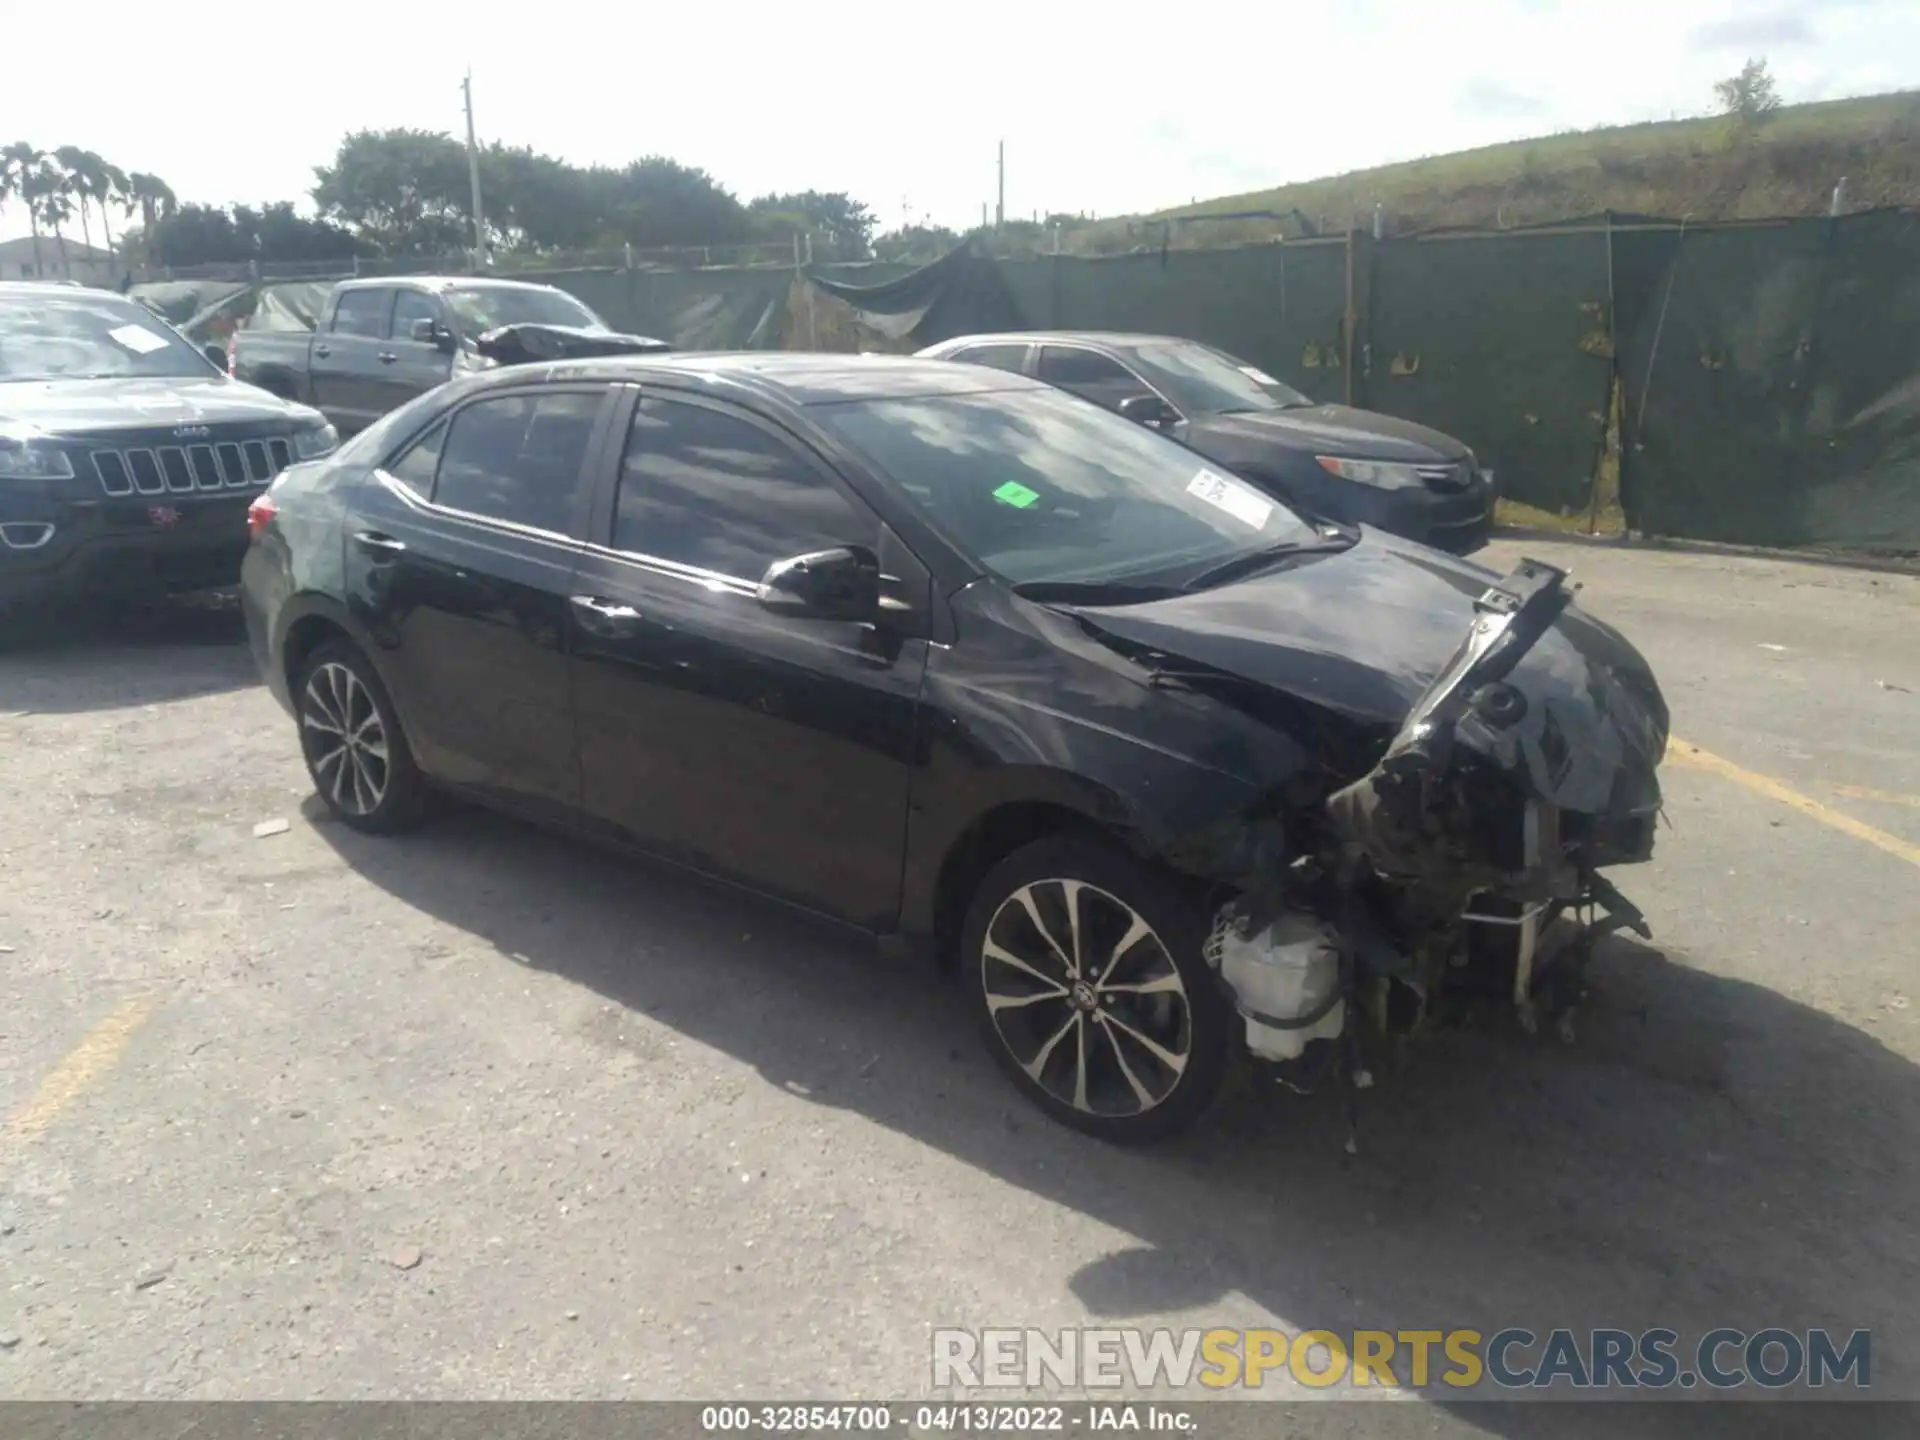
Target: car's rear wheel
{"points": [[1086, 974], [353, 744]]}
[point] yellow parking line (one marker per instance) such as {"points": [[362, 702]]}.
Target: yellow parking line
{"points": [[83, 1065], [1680, 752], [1884, 797]]}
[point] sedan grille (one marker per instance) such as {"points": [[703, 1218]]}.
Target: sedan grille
{"points": [[1447, 479], [186, 469]]}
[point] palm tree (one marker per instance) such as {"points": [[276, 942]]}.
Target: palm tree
{"points": [[20, 163], [155, 199], [114, 185], [87, 173], [52, 193]]}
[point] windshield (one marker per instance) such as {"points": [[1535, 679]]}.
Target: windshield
{"points": [[1042, 487], [488, 307], [1198, 378], [74, 335]]}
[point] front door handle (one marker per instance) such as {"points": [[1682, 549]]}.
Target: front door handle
{"points": [[605, 617], [386, 357], [384, 546], [323, 351]]}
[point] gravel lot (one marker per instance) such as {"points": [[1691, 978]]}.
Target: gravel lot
{"points": [[482, 1113]]}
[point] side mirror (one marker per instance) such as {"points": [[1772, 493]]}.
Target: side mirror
{"points": [[216, 353], [840, 584], [429, 332], [1148, 410]]}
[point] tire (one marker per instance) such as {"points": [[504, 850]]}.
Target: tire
{"points": [[373, 786], [1157, 1028]]}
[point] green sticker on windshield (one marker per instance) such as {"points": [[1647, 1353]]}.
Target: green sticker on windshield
{"points": [[1015, 494]]}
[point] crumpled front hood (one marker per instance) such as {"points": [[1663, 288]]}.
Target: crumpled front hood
{"points": [[1364, 631], [84, 407], [1337, 430]]}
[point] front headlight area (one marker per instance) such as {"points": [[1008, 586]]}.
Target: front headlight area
{"points": [[25, 460], [315, 441], [1382, 474]]}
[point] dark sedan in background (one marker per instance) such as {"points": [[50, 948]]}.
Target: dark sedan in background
{"points": [[127, 456], [948, 656], [1343, 464]]}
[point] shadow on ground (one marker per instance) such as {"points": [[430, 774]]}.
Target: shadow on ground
{"points": [[173, 649], [1707, 1153]]}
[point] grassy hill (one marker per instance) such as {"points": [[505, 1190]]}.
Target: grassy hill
{"points": [[1705, 169]]}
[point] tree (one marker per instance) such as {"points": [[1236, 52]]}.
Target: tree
{"points": [[49, 195], [20, 166], [1750, 95], [153, 196], [842, 226], [660, 202], [214, 235], [915, 243], [403, 191], [94, 182], [407, 192]]}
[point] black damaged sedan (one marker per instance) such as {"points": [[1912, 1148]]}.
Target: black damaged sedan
{"points": [[1172, 776]]}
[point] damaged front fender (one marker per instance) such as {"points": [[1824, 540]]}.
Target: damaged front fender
{"points": [[1515, 771]]}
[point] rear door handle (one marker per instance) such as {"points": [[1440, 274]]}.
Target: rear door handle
{"points": [[323, 351], [374, 543], [386, 357], [605, 617]]}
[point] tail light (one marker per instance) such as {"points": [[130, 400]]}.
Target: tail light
{"points": [[260, 515]]}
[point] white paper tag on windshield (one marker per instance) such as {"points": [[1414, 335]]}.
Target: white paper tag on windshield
{"points": [[1259, 377], [139, 339], [1244, 504]]}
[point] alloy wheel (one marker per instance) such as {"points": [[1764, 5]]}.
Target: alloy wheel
{"points": [[1086, 999], [346, 739]]}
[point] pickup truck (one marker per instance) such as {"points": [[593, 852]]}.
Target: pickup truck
{"points": [[379, 343]]}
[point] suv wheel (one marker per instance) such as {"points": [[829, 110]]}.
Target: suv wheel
{"points": [[1085, 971], [354, 748]]}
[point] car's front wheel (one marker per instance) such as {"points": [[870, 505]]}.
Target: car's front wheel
{"points": [[1086, 973], [353, 744]]}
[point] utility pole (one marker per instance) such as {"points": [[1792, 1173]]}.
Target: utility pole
{"points": [[473, 176], [1000, 206]]}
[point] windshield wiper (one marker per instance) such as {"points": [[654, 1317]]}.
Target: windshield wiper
{"points": [[1256, 560], [1093, 592]]}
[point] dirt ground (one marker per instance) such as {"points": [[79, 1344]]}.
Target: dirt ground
{"points": [[482, 1113]]}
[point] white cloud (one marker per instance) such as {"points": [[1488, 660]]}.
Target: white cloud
{"points": [[1102, 109]]}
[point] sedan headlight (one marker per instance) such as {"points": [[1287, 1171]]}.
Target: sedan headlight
{"points": [[32, 462], [312, 443], [1386, 474]]}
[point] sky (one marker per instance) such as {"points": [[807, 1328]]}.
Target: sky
{"points": [[1105, 108]]}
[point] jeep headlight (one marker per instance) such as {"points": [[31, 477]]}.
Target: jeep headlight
{"points": [[20, 461], [315, 441], [1385, 474]]}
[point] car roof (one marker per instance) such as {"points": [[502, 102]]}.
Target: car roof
{"points": [[1116, 339], [63, 287], [443, 282], [800, 377]]}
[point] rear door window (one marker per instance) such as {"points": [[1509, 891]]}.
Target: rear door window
{"points": [[362, 312], [1011, 358], [1089, 374], [521, 458]]}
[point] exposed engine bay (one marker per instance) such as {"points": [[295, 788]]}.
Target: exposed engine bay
{"points": [[1465, 860]]}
